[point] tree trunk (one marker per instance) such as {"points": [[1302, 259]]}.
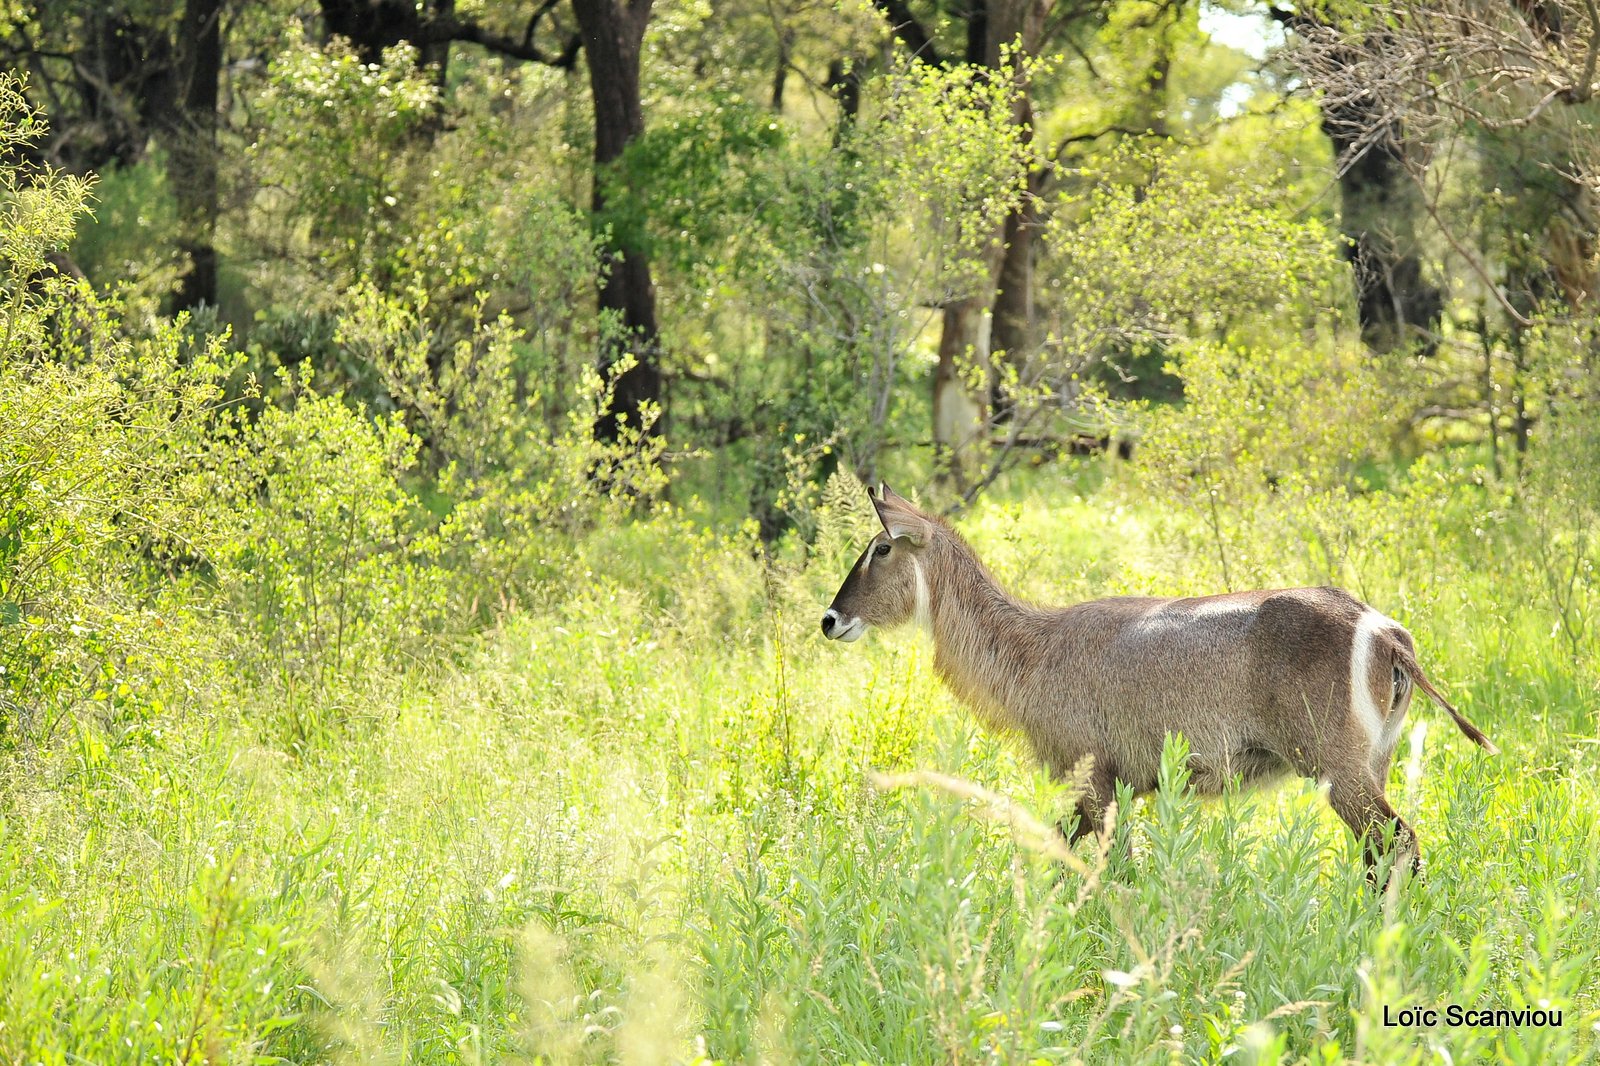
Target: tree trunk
{"points": [[960, 412], [123, 77], [193, 151], [844, 82], [613, 31], [780, 70], [1380, 203], [435, 54], [372, 25], [1158, 82], [962, 397], [1397, 305], [1012, 335]]}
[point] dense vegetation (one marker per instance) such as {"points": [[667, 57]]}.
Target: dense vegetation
{"points": [[429, 433]]}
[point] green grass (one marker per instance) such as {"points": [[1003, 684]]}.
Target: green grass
{"points": [[637, 825]]}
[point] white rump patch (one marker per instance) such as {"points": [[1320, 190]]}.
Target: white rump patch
{"points": [[1391, 731], [1207, 608], [1419, 736], [1382, 734]]}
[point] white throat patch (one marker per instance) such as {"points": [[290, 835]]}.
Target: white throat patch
{"points": [[922, 606]]}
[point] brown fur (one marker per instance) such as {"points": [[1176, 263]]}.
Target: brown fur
{"points": [[1258, 682]]}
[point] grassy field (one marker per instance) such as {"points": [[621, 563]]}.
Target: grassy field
{"points": [[637, 825]]}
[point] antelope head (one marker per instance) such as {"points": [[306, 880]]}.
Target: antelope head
{"points": [[888, 585]]}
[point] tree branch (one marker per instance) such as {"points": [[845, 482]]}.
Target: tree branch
{"points": [[1472, 261], [912, 34], [1585, 87], [533, 21], [450, 28], [1079, 138]]}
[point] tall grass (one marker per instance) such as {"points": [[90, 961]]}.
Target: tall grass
{"points": [[638, 825]]}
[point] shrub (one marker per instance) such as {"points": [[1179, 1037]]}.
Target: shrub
{"points": [[96, 433], [325, 562], [512, 487]]}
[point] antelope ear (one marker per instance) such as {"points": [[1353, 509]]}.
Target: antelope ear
{"points": [[900, 520]]}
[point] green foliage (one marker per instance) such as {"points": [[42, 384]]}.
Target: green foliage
{"points": [[1167, 258], [336, 139], [1255, 423], [952, 148], [94, 434], [424, 200], [464, 399], [514, 486], [1559, 509], [847, 249], [357, 704], [480, 228], [689, 189], [131, 234], [322, 561], [40, 208]]}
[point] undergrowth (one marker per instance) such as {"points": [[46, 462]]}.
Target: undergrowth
{"points": [[639, 825]]}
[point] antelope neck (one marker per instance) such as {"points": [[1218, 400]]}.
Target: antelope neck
{"points": [[982, 635]]}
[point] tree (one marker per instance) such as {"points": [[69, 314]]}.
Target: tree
{"points": [[117, 77], [191, 138], [996, 313], [1395, 301], [374, 25], [613, 35], [1509, 89], [610, 35]]}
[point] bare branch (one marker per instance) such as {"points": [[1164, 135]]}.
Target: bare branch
{"points": [[911, 33], [1081, 138], [450, 28], [1472, 260], [533, 21]]}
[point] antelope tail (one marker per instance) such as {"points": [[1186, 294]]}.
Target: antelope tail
{"points": [[1407, 662]]}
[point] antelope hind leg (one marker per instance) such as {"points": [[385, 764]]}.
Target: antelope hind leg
{"points": [[1369, 814]]}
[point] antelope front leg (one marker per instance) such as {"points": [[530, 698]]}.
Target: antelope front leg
{"points": [[1098, 793]]}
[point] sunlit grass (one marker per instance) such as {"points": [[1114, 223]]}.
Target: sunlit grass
{"points": [[637, 824]]}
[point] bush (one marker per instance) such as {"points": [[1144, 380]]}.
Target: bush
{"points": [[325, 564], [513, 488], [96, 434]]}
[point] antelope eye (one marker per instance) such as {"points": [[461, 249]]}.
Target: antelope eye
{"points": [[880, 551]]}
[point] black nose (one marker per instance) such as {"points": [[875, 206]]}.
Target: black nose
{"points": [[827, 624]]}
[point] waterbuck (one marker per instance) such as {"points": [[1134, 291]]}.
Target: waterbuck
{"points": [[1308, 681]]}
